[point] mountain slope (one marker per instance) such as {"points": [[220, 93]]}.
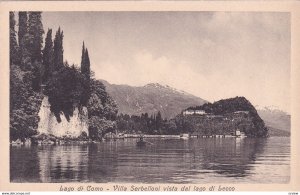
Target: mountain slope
{"points": [[151, 98], [275, 118], [278, 132]]}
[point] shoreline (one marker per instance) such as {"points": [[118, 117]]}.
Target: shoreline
{"points": [[61, 141]]}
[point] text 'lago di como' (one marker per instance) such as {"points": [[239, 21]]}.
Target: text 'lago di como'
{"points": [[149, 188]]}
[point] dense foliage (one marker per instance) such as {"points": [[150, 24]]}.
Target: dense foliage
{"points": [[145, 124], [221, 119], [36, 71], [24, 100], [227, 107], [13, 46], [24, 105], [69, 87], [102, 111], [65, 90]]}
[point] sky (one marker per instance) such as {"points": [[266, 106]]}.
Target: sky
{"points": [[212, 55]]}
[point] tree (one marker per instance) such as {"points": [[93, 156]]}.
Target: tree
{"points": [[58, 53], [23, 26], [110, 109], [65, 90], [34, 47], [85, 70], [25, 54], [23, 37], [82, 58], [102, 110], [36, 31], [98, 88], [85, 62], [158, 121], [95, 106], [13, 45], [24, 104], [48, 56], [67, 86], [170, 127], [99, 126]]}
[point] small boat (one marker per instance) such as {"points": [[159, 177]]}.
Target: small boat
{"points": [[141, 143]]}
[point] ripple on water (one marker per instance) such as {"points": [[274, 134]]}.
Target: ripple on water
{"points": [[165, 161]]}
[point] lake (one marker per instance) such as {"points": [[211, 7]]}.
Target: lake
{"points": [[204, 160]]}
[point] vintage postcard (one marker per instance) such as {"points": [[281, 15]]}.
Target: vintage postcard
{"points": [[150, 96]]}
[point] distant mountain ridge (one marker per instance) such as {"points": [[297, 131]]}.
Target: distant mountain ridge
{"points": [[155, 97], [151, 98], [277, 119]]}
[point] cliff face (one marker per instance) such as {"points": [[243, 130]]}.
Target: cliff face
{"points": [[224, 117], [48, 124]]}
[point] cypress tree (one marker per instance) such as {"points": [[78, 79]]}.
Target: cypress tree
{"points": [[158, 120], [23, 26], [25, 54], [85, 63], [13, 45], [35, 31], [82, 57], [48, 56], [35, 43], [58, 50], [87, 68]]}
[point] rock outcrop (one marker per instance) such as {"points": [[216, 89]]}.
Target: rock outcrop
{"points": [[48, 124]]}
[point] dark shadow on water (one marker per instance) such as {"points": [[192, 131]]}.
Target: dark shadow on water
{"points": [[23, 164]]}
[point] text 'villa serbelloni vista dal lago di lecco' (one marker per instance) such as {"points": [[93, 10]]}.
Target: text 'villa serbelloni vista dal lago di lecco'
{"points": [[149, 97]]}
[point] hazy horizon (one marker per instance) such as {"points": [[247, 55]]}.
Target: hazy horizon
{"points": [[212, 55]]}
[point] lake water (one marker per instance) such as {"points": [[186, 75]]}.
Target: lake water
{"points": [[205, 160]]}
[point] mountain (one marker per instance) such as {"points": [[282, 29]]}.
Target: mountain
{"points": [[151, 98], [276, 119], [223, 117], [274, 132]]}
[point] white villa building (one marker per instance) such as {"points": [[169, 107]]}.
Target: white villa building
{"points": [[190, 112]]}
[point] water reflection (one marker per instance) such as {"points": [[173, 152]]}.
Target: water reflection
{"points": [[103, 161], [165, 161], [63, 163], [232, 158]]}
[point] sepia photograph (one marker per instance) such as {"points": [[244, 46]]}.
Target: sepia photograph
{"points": [[148, 98], [151, 97]]}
